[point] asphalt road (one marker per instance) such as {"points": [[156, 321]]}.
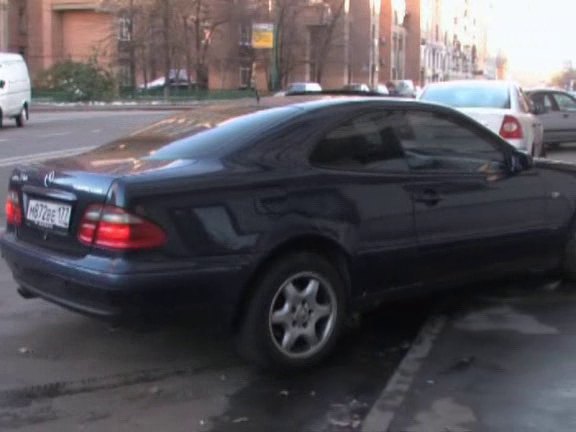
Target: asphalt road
{"points": [[63, 372]]}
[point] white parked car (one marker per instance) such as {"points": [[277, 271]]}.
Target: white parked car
{"points": [[501, 106], [15, 90]]}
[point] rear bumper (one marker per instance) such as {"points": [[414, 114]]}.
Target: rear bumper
{"points": [[116, 289]]}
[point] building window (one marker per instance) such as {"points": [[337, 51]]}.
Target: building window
{"points": [[124, 29], [245, 76], [245, 35]]}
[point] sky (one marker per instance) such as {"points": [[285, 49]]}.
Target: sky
{"points": [[538, 36]]}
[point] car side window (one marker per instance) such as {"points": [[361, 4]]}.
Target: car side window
{"points": [[368, 142], [437, 143], [543, 101], [565, 102]]}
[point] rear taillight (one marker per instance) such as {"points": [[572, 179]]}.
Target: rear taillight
{"points": [[13, 209], [511, 128], [112, 227]]}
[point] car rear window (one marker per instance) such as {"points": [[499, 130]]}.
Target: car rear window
{"points": [[469, 96], [214, 133]]}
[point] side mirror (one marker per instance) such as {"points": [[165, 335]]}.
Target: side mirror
{"points": [[2, 84], [519, 162]]}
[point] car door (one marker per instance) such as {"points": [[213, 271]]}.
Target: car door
{"points": [[473, 216], [566, 116], [361, 158], [549, 115], [532, 125]]}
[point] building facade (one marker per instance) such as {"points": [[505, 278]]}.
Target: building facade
{"points": [[77, 30], [331, 41]]}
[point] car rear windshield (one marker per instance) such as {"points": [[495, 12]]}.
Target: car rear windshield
{"points": [[469, 96], [214, 133]]}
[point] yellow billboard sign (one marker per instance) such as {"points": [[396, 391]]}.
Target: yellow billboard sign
{"points": [[262, 36]]}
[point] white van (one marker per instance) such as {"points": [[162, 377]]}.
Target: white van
{"points": [[15, 92]]}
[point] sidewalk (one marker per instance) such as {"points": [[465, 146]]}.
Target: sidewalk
{"points": [[114, 106], [505, 362]]}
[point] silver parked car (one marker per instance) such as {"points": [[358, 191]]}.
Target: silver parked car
{"points": [[557, 111], [501, 106]]}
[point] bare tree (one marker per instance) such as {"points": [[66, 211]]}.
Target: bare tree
{"points": [[328, 38]]}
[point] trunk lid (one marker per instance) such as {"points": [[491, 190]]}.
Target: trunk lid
{"points": [[66, 187], [492, 118], [53, 201]]}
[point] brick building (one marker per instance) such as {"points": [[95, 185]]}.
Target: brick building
{"points": [[49, 31], [326, 40], [3, 25]]}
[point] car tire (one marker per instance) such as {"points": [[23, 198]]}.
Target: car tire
{"points": [[1, 119], [295, 315], [22, 117], [541, 151]]}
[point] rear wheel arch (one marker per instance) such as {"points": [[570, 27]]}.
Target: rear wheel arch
{"points": [[320, 245]]}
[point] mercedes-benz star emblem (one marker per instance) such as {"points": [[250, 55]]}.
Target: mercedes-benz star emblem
{"points": [[49, 178]]}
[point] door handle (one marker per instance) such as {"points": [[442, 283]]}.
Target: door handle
{"points": [[566, 115], [428, 197]]}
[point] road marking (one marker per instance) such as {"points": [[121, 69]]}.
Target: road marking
{"points": [[383, 411], [56, 134], [16, 160]]}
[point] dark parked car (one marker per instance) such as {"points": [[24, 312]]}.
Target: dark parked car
{"points": [[283, 220], [557, 111]]}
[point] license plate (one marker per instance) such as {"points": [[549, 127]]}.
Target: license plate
{"points": [[49, 214]]}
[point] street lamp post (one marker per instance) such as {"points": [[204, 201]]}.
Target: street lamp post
{"points": [[374, 59]]}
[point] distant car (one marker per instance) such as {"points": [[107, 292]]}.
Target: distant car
{"points": [[356, 87], [501, 106], [178, 80], [303, 87], [402, 88], [381, 89], [557, 112], [281, 220]]}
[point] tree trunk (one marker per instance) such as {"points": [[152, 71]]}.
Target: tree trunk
{"points": [[167, 46]]}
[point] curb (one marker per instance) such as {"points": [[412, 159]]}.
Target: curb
{"points": [[392, 397], [41, 108]]}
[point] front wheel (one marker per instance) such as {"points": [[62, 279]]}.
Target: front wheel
{"points": [[295, 315]]}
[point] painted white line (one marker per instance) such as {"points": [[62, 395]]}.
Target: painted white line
{"points": [[383, 411], [16, 160], [56, 134]]}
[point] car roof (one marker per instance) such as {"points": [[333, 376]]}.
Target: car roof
{"points": [[10, 56], [473, 83], [218, 112]]}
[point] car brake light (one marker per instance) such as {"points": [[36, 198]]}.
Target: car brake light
{"points": [[511, 128], [13, 209], [112, 227]]}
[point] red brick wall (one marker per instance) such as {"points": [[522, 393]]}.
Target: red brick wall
{"points": [[84, 34]]}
